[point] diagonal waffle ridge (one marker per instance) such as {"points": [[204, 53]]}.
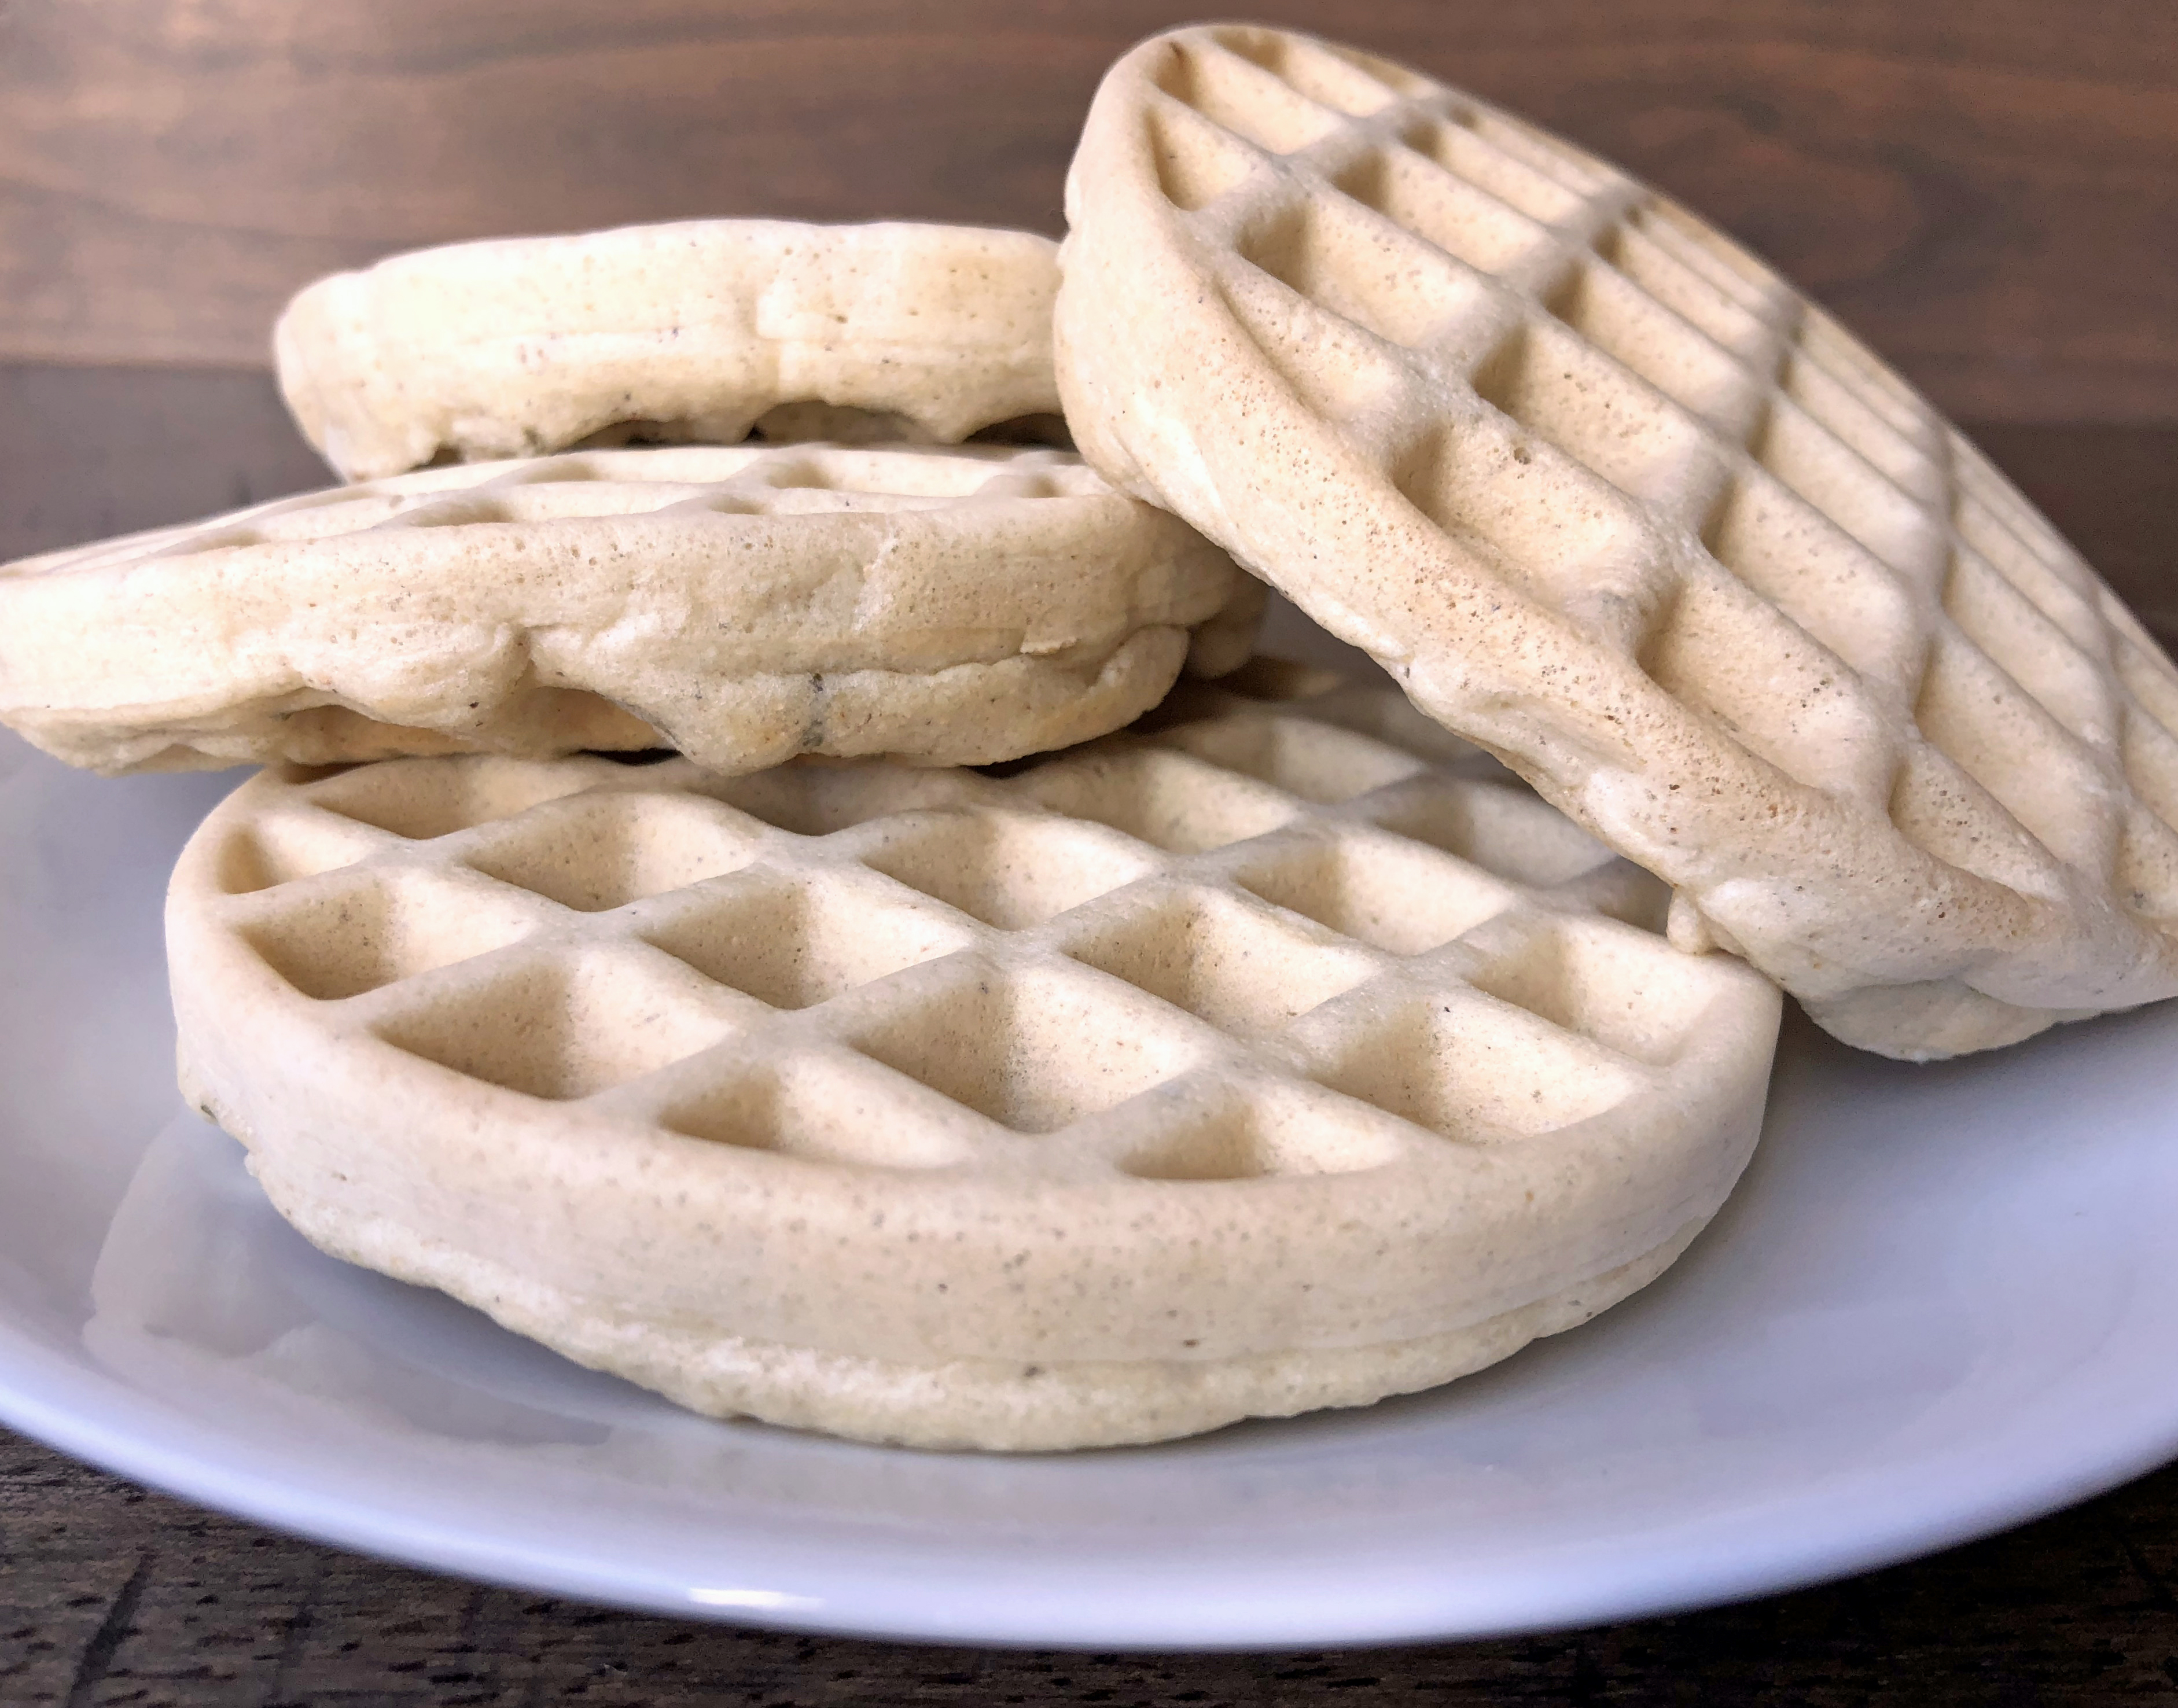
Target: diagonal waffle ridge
{"points": [[732, 480], [1600, 485], [900, 914]]}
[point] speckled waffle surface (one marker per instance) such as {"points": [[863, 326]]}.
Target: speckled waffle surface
{"points": [[1283, 1055], [1608, 495], [700, 330], [743, 603]]}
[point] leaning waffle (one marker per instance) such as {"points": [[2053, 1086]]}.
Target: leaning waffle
{"points": [[743, 603], [699, 331], [1607, 495], [1253, 1065]]}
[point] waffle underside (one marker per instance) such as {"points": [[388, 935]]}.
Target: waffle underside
{"points": [[698, 331], [1610, 496]]}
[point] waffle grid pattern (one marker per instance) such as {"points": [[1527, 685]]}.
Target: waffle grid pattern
{"points": [[1290, 929], [662, 482], [1724, 422], [1703, 466]]}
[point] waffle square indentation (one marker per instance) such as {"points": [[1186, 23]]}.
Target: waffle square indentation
{"points": [[1985, 724], [1376, 274], [1846, 411], [1821, 578], [1707, 251], [605, 850], [1862, 372], [1300, 755], [451, 510], [1551, 155], [1222, 961], [2041, 581], [1443, 209], [1393, 895], [1244, 98], [1490, 487], [1691, 295], [1504, 830], [1749, 668], [1622, 988], [1632, 327], [1033, 1051], [1336, 367], [1571, 397], [2146, 873], [1460, 150], [564, 500], [307, 516], [1010, 870], [1196, 161], [2031, 649], [556, 1030], [819, 1111], [793, 945], [2150, 756], [391, 925], [1932, 807], [2147, 675], [817, 800], [1470, 1070], [421, 799], [1314, 70], [1815, 463], [1173, 801], [1278, 1130], [276, 849]]}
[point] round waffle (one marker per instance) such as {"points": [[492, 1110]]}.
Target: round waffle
{"points": [[741, 604], [1607, 495], [699, 331], [1258, 1063]]}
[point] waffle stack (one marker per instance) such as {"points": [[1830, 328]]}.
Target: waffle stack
{"points": [[831, 927]]}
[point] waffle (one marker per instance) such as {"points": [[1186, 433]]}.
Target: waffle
{"points": [[742, 604], [1603, 493], [700, 330], [1260, 1062]]}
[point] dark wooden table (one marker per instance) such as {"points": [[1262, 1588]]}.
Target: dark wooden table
{"points": [[112, 1595]]}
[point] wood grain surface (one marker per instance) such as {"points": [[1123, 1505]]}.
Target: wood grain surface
{"points": [[109, 1595], [112, 1595], [1987, 189]]}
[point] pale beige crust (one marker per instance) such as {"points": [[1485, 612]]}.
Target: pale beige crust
{"points": [[1607, 495], [1262, 1062], [965, 1402], [691, 331], [743, 604]]}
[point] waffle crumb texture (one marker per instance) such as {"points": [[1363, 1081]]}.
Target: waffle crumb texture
{"points": [[703, 331], [1608, 496], [742, 604], [1278, 1053]]}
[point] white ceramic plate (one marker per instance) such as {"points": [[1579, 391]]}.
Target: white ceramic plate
{"points": [[1944, 1300]]}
